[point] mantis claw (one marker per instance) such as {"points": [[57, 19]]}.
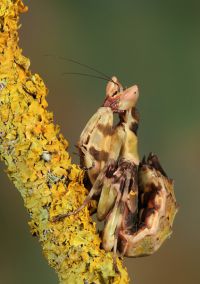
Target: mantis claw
{"points": [[58, 218]]}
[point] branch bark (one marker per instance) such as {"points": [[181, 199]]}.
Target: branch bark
{"points": [[39, 165]]}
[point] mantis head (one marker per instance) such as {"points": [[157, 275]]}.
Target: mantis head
{"points": [[118, 99]]}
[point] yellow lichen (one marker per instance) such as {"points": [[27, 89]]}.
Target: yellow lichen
{"points": [[40, 167]]}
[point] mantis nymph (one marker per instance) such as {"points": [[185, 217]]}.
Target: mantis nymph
{"points": [[135, 199]]}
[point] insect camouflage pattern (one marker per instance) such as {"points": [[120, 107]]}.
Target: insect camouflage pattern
{"points": [[135, 199]]}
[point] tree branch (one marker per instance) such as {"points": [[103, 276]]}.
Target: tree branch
{"points": [[40, 167]]}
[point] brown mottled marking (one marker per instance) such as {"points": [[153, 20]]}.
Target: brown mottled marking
{"points": [[105, 130], [134, 127], [111, 169], [99, 155], [147, 196], [130, 221], [154, 162], [146, 213], [87, 140]]}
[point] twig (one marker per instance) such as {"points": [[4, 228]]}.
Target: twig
{"points": [[40, 167]]}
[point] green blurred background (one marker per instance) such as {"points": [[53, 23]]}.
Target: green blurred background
{"points": [[155, 44]]}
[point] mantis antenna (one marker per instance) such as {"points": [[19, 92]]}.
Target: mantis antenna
{"points": [[105, 77]]}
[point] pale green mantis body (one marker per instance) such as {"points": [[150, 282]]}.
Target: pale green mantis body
{"points": [[136, 200]]}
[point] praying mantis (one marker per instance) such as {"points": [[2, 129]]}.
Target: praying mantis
{"points": [[136, 199]]}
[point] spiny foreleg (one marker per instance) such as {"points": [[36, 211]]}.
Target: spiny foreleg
{"points": [[94, 142]]}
